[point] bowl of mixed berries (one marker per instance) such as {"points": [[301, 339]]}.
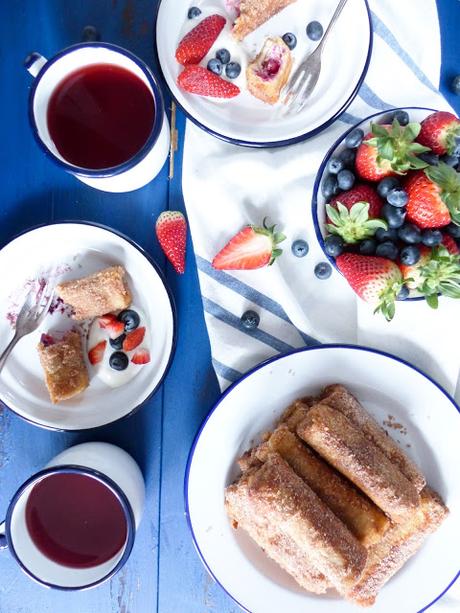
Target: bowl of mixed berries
{"points": [[386, 207]]}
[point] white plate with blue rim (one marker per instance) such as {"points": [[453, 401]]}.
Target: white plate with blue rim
{"points": [[72, 250], [393, 391], [245, 120]]}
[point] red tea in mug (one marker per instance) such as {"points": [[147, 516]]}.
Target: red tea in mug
{"points": [[100, 116], [75, 520]]}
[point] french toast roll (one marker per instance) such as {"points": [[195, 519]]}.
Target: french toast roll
{"points": [[361, 516], [346, 448], [269, 72], [253, 13], [339, 398], [397, 546]]}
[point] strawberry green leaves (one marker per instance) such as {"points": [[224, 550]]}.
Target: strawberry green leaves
{"points": [[440, 275], [353, 224], [448, 181]]}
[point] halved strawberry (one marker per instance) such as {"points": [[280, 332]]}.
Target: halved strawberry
{"points": [[253, 247], [203, 82], [361, 193], [141, 356], [96, 354], [196, 44], [133, 339], [171, 231], [439, 131], [376, 280], [434, 197], [389, 150], [110, 323]]}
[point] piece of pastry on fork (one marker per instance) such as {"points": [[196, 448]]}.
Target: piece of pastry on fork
{"points": [[253, 13]]}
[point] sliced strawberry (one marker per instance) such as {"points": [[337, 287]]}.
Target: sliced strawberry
{"points": [[171, 231], [96, 354], [251, 248], [141, 356], [439, 131], [200, 81], [196, 44], [376, 280], [133, 339], [361, 193], [110, 323]]}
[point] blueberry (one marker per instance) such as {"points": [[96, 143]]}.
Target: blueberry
{"points": [[300, 248], [130, 318], [397, 197], [250, 320], [429, 157], [386, 185], [117, 343], [329, 187], [409, 255], [333, 245], [395, 217], [290, 40], [410, 234], [348, 157], [118, 361], [403, 293], [455, 85], [193, 12], [431, 238], [387, 250], [314, 30], [450, 160], [453, 230], [402, 117], [232, 70], [345, 179], [223, 55], [354, 139], [386, 235], [335, 165], [367, 246], [90, 34], [323, 270], [215, 66]]}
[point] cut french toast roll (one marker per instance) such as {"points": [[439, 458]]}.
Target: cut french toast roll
{"points": [[346, 448], [339, 398], [253, 13]]}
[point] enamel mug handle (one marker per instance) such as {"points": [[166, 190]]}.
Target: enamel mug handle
{"points": [[34, 62], [3, 541]]}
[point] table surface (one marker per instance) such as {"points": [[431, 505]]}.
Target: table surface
{"points": [[163, 573]]}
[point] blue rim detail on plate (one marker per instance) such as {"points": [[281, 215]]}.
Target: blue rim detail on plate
{"points": [[320, 173], [172, 303], [245, 376], [148, 145], [289, 141], [115, 489]]}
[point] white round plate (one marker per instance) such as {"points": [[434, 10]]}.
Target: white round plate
{"points": [[245, 120], [73, 250], [386, 386]]}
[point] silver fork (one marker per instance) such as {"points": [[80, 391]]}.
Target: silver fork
{"points": [[305, 78], [31, 315]]}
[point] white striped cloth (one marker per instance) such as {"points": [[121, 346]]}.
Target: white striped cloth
{"points": [[250, 184]]}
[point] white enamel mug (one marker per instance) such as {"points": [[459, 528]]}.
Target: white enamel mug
{"points": [[146, 163], [109, 465]]}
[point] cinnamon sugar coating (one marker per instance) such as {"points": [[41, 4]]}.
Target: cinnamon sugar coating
{"points": [[253, 13]]}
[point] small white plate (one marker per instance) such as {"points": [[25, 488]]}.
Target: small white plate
{"points": [[74, 250], [386, 386], [245, 120]]}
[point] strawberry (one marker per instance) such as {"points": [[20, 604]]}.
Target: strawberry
{"points": [[434, 197], [439, 131], [96, 354], [450, 244], [196, 44], [110, 323], [133, 339], [375, 280], [361, 193], [389, 150], [352, 225], [253, 247], [200, 81], [142, 356], [171, 230]]}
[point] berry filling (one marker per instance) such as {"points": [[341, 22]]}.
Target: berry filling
{"points": [[271, 65]]}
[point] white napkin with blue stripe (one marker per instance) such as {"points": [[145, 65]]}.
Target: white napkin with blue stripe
{"points": [[226, 186]]}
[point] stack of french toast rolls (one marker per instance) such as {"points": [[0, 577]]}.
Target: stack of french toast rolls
{"points": [[333, 499]]}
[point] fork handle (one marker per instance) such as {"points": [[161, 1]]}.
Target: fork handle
{"points": [[335, 16], [9, 348]]}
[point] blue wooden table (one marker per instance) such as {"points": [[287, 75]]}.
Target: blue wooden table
{"points": [[164, 573]]}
